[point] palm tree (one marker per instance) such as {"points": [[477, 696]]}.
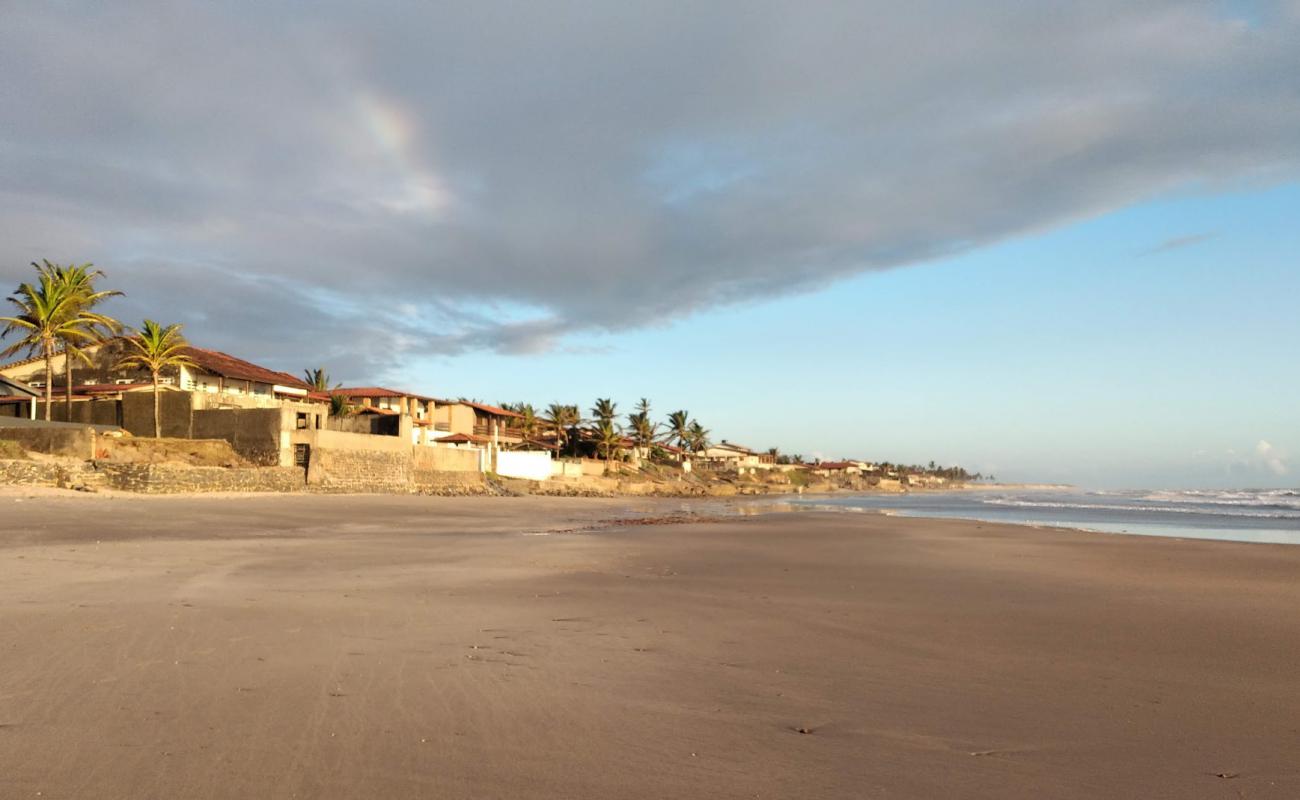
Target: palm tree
{"points": [[84, 324], [528, 421], [156, 348], [339, 406], [45, 313], [319, 379], [609, 438], [679, 428], [643, 431], [605, 410], [561, 418], [698, 437]]}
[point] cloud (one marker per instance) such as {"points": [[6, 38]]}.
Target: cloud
{"points": [[1178, 242], [1271, 459], [368, 183]]}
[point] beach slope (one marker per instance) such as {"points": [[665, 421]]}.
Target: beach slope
{"points": [[404, 647]]}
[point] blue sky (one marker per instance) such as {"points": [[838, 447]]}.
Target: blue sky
{"points": [[1106, 353]]}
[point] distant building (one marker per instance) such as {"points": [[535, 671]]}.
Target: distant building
{"points": [[830, 469], [727, 454]]}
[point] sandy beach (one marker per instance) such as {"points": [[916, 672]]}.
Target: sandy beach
{"points": [[413, 647]]}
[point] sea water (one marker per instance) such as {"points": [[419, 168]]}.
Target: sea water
{"points": [[1246, 515]]}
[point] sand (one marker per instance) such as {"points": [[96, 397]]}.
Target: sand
{"points": [[404, 647]]}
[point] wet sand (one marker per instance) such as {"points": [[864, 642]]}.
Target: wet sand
{"points": [[404, 647]]}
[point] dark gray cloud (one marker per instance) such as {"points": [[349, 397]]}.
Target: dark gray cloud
{"points": [[1178, 243], [368, 181]]}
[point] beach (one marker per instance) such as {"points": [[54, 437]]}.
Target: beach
{"points": [[408, 647]]}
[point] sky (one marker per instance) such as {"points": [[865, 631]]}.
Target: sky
{"points": [[1050, 241]]}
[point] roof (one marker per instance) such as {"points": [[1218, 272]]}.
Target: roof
{"points": [[726, 445], [835, 465], [377, 391], [387, 412], [16, 388], [462, 438], [228, 366], [485, 408], [22, 362]]}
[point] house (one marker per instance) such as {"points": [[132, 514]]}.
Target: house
{"points": [[105, 394], [224, 381], [728, 455], [382, 400], [215, 379], [416, 406], [489, 424], [17, 399], [831, 469]]}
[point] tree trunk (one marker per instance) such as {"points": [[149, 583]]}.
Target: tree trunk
{"points": [[67, 380], [49, 379], [157, 409]]}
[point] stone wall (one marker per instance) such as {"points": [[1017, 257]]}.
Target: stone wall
{"points": [[165, 479], [74, 441], [447, 459], [340, 470], [150, 478], [253, 433], [45, 473], [427, 481]]}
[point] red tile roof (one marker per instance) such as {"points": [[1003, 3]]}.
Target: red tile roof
{"points": [[390, 412], [227, 366], [485, 408], [463, 438], [376, 391]]}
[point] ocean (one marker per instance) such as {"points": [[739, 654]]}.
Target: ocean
{"points": [[1244, 515]]}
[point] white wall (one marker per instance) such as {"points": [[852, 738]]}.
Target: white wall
{"points": [[534, 465]]}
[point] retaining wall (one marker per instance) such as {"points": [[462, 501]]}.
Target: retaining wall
{"points": [[447, 459], [253, 433], [164, 479], [74, 441]]}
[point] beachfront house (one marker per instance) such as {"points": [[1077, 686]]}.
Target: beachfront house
{"points": [[17, 399], [215, 379], [479, 422], [832, 469], [726, 455], [380, 400]]}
